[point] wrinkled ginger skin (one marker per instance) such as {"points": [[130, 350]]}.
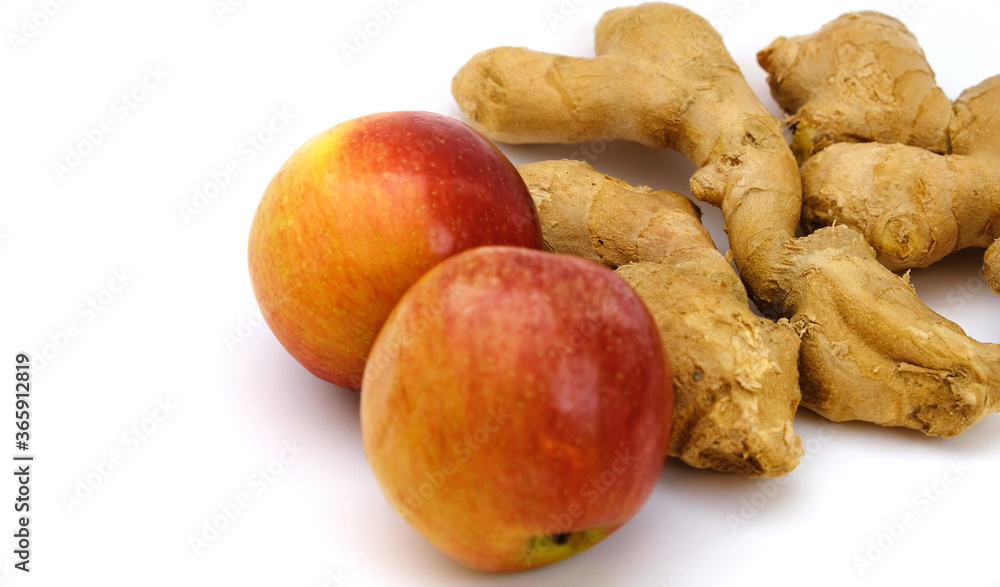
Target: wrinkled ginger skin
{"points": [[692, 97], [699, 105], [991, 266], [735, 373], [862, 77], [927, 185], [927, 182], [914, 206], [897, 363]]}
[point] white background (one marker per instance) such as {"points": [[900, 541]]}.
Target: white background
{"points": [[184, 329]]}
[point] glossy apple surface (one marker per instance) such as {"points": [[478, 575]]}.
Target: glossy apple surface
{"points": [[361, 211], [516, 407]]}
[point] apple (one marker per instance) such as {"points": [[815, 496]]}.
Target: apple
{"points": [[517, 406], [361, 211]]}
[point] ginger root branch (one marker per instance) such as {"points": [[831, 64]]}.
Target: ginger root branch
{"points": [[735, 373]]}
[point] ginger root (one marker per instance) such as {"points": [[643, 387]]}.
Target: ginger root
{"points": [[929, 183], [735, 374], [861, 77], [870, 350]]}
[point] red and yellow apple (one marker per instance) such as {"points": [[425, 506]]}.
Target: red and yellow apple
{"points": [[361, 211], [517, 406]]}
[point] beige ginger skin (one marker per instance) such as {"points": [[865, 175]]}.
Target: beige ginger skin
{"points": [[862, 77], [735, 374], [992, 266], [870, 350], [884, 150]]}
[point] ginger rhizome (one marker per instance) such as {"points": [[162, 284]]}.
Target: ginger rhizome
{"points": [[884, 150], [992, 266], [870, 350], [735, 374], [861, 78]]}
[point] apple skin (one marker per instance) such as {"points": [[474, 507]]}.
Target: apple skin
{"points": [[361, 211], [516, 407]]}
